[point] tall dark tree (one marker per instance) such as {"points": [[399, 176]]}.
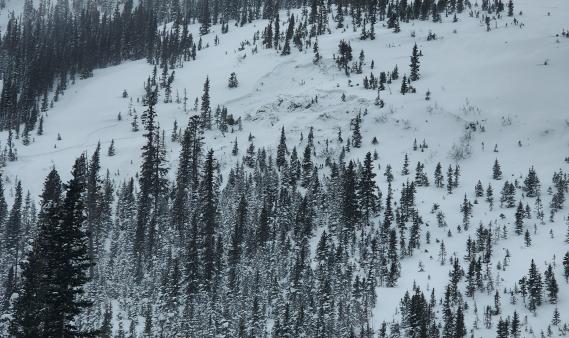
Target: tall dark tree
{"points": [[414, 74], [205, 110], [54, 297], [282, 150], [209, 195]]}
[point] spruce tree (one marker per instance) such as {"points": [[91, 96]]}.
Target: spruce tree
{"points": [[414, 74], [55, 297], [551, 286], [205, 110], [520, 219], [439, 178], [111, 151], [367, 196], [404, 88], [282, 150], [356, 135], [515, 329], [205, 18], [566, 266], [534, 287], [496, 171], [233, 82], [209, 218]]}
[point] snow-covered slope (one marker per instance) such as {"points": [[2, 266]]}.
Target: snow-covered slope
{"points": [[511, 80]]}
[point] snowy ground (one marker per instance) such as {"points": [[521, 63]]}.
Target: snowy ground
{"points": [[496, 78]]}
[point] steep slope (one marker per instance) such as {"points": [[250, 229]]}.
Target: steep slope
{"points": [[508, 86]]}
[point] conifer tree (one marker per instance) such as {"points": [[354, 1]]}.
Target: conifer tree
{"points": [[404, 88], [152, 183], [205, 110], [367, 190], [551, 286], [496, 171], [111, 151], [479, 189], [315, 49], [357, 136], [13, 226], [405, 170], [459, 327], [439, 179], [566, 266], [307, 166], [520, 219], [209, 195], [64, 246], [414, 75], [515, 329], [534, 287], [282, 150], [450, 183], [233, 82], [205, 18], [235, 149], [288, 36]]}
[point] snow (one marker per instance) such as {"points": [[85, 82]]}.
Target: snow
{"points": [[473, 75]]}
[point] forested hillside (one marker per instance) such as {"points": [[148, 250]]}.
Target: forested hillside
{"points": [[225, 168]]}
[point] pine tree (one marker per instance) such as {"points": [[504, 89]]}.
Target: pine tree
{"points": [[527, 238], [205, 18], [556, 317], [459, 327], [450, 183], [404, 88], [344, 56], [233, 82], [205, 107], [357, 136], [13, 226], [479, 189], [52, 294], [111, 151], [531, 183], [466, 210], [520, 213], [235, 149], [367, 196], [40, 126], [515, 325], [152, 182], [502, 329], [496, 171], [282, 150], [490, 196], [405, 170], [534, 286], [237, 239], [317, 57], [307, 166], [551, 286], [439, 179], [350, 209], [566, 266], [209, 195], [414, 75], [288, 36]]}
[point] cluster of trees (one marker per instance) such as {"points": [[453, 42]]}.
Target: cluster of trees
{"points": [[192, 249], [49, 47], [208, 255]]}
